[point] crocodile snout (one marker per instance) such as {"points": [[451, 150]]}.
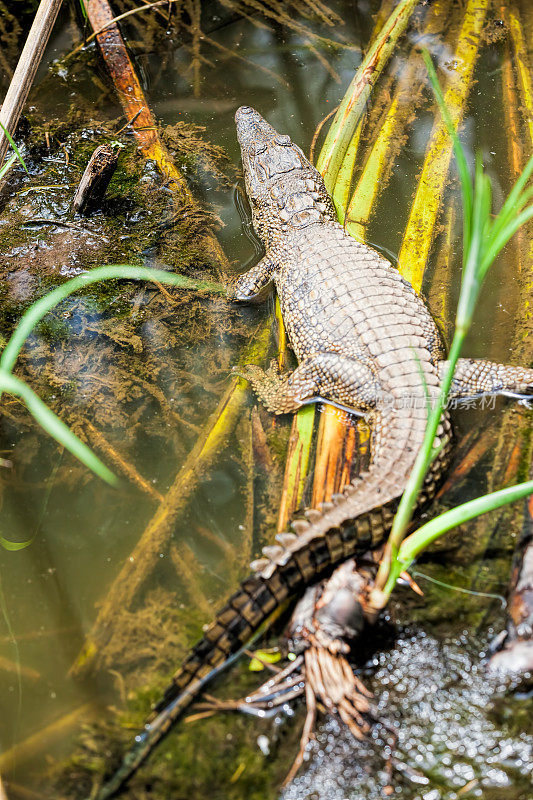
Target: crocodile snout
{"points": [[251, 127]]}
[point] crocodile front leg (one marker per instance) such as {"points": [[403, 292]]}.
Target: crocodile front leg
{"points": [[322, 375], [473, 377], [249, 285]]}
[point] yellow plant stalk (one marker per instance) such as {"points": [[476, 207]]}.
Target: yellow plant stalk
{"points": [[379, 163], [354, 101], [524, 86], [341, 191], [420, 228], [517, 90], [297, 463], [521, 59], [157, 535], [439, 291]]}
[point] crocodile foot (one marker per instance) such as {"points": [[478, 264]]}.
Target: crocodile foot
{"points": [[280, 394]]}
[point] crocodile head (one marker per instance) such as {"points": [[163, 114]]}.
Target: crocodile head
{"points": [[285, 190]]}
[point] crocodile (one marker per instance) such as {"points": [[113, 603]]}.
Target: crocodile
{"points": [[364, 340]]}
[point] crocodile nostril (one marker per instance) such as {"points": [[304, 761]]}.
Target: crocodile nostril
{"points": [[244, 110]]}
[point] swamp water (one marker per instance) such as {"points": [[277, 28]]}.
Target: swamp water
{"points": [[137, 372]]}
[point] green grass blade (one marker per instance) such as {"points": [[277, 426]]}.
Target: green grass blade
{"points": [[54, 426], [83, 10], [7, 166], [497, 243], [13, 547], [14, 146], [431, 531], [513, 200], [470, 283], [40, 308]]}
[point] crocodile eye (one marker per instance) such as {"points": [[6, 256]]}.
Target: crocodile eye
{"points": [[282, 138]]}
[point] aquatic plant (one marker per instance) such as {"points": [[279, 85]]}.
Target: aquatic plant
{"points": [[483, 239], [353, 104], [10, 384], [15, 156]]}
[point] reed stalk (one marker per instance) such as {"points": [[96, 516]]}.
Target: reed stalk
{"points": [[297, 463], [353, 104], [521, 60], [517, 91], [392, 132], [416, 244]]}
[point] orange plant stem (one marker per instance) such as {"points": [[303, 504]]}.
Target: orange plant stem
{"points": [[136, 109]]}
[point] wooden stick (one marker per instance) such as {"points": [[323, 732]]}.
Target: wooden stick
{"points": [[29, 60], [136, 109]]}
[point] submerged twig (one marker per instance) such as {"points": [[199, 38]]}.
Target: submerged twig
{"points": [[19, 669], [145, 555], [42, 740], [187, 567], [99, 441]]}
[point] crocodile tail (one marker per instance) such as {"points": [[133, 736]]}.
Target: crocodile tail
{"points": [[233, 628]]}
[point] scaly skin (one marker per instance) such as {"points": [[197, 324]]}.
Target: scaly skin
{"points": [[364, 340]]}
